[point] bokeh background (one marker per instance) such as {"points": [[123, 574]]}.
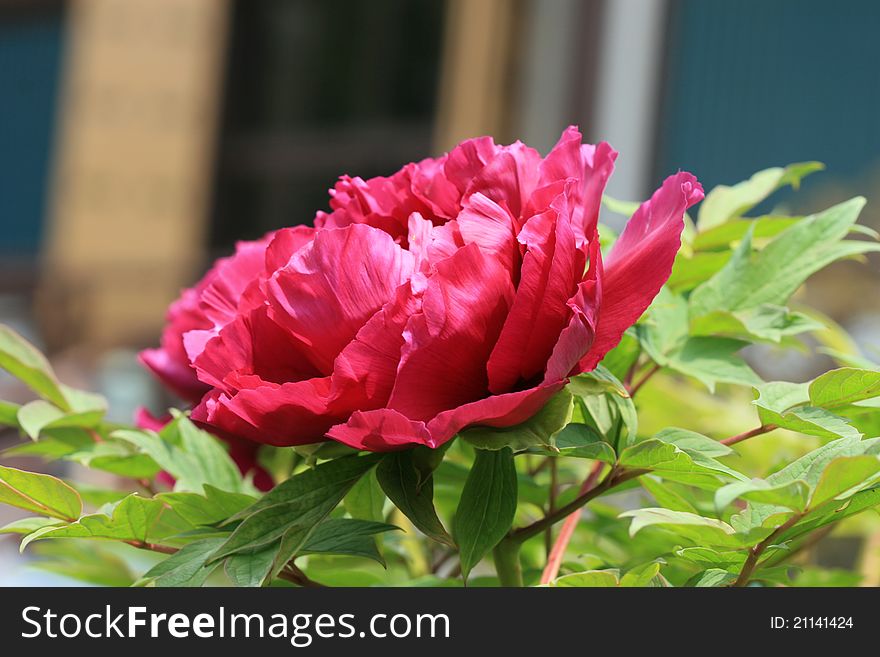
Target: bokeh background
{"points": [[140, 138]]}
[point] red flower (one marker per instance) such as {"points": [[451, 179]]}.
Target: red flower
{"points": [[462, 290]]}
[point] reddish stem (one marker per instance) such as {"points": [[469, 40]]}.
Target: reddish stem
{"points": [[745, 435], [638, 384]]}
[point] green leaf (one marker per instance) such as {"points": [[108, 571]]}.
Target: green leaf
{"points": [[844, 386], [487, 506], [135, 518], [539, 430], [187, 566], [115, 456], [783, 404], [583, 442], [689, 271], [791, 495], [24, 361], [675, 464], [665, 496], [37, 414], [588, 579], [84, 562], [8, 414], [735, 229], [764, 323], [708, 557], [809, 469], [39, 493], [697, 529], [666, 327], [347, 537], [619, 360], [845, 476], [695, 444], [366, 500], [811, 466], [606, 405], [713, 360], [249, 569], [198, 460], [714, 577], [773, 274], [213, 507], [399, 478], [724, 203], [643, 575], [29, 525], [294, 507]]}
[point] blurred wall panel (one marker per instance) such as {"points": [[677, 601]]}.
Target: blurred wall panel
{"points": [[133, 165], [475, 80]]}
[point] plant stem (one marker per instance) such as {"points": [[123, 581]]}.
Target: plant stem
{"points": [[755, 553], [293, 574], [507, 565], [745, 435], [613, 479], [153, 547], [638, 384], [557, 553]]}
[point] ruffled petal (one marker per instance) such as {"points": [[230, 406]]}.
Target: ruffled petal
{"points": [[364, 373], [640, 261], [551, 269], [333, 285], [288, 414], [252, 344], [443, 363], [590, 165], [490, 226], [381, 430], [509, 179], [497, 411]]}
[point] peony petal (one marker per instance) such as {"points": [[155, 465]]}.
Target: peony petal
{"points": [[640, 261], [333, 285], [509, 179], [551, 269], [497, 411], [289, 414], [364, 373], [443, 363], [590, 165], [252, 344], [381, 430], [224, 285], [492, 228], [467, 159], [284, 244]]}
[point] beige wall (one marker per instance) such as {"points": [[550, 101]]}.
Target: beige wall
{"points": [[133, 162]]}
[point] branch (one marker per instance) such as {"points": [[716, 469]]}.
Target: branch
{"points": [[757, 431], [612, 480], [153, 547], [638, 384], [755, 553], [293, 574]]}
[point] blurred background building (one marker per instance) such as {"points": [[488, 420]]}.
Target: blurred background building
{"points": [[140, 138]]}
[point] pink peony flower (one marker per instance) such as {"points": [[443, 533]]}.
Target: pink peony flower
{"points": [[463, 290]]}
